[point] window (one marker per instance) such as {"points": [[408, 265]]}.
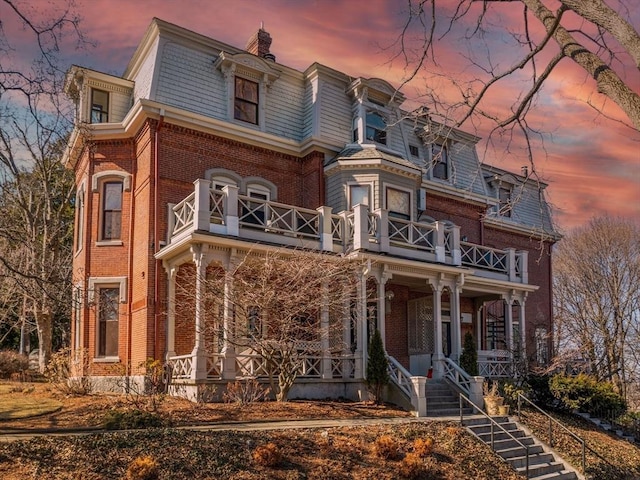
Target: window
{"points": [[376, 128], [255, 212], [359, 195], [542, 352], [77, 317], [414, 151], [108, 321], [246, 101], [79, 218], [439, 162], [398, 203], [504, 194], [111, 210], [99, 106]]}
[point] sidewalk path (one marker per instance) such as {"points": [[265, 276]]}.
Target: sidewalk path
{"points": [[15, 434]]}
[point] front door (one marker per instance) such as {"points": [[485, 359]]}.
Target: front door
{"points": [[420, 333]]}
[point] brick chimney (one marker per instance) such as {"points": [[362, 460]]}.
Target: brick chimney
{"points": [[259, 44]]}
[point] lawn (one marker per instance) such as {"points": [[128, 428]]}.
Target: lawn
{"points": [[329, 453]]}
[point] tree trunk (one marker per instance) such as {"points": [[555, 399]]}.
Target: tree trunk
{"points": [[608, 82], [45, 325]]}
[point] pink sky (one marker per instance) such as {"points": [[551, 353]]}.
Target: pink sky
{"points": [[592, 164]]}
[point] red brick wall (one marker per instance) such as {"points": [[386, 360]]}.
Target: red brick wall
{"points": [[538, 306], [396, 333], [465, 215]]}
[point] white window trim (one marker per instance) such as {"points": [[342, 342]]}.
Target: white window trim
{"points": [[360, 184], [447, 147], [252, 68], [80, 223], [97, 180], [120, 282], [105, 282], [90, 104], [223, 176], [393, 186], [260, 185]]}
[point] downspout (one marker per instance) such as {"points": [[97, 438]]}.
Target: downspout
{"points": [[156, 235], [322, 183], [134, 170], [86, 240]]}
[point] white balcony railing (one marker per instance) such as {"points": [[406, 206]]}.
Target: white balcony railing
{"points": [[226, 212]]}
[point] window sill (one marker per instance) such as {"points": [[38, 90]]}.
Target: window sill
{"points": [[109, 243], [106, 360]]}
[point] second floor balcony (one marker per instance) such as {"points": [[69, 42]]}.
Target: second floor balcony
{"points": [[226, 212]]}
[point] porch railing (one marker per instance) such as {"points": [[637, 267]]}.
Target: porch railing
{"points": [[495, 364], [400, 376], [227, 212], [457, 376]]}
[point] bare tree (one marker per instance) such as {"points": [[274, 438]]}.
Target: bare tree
{"points": [[502, 57], [283, 307], [597, 298], [35, 188]]}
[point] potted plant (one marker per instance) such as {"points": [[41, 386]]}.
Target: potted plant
{"points": [[469, 356], [492, 398]]}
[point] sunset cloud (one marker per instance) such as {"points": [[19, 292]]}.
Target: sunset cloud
{"points": [[592, 164]]}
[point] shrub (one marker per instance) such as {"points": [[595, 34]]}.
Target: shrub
{"points": [[142, 468], [12, 362], [585, 393], [412, 467], [245, 392], [386, 447], [377, 367], [423, 447], [469, 355], [131, 419], [540, 392], [69, 375], [267, 455]]}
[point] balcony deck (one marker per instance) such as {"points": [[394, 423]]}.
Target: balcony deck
{"points": [[225, 212]]}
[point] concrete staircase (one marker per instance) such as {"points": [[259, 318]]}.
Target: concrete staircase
{"points": [[543, 464], [442, 400]]}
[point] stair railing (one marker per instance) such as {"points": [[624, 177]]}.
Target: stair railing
{"points": [[460, 378], [553, 421], [463, 398]]}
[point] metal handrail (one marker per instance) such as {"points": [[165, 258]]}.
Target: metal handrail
{"points": [[551, 422], [493, 425]]}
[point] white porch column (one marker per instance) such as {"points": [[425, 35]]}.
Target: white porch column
{"points": [[523, 328], [456, 341], [171, 311], [201, 259], [361, 328], [346, 335], [202, 215], [508, 320], [228, 349], [381, 279], [438, 356], [360, 227], [326, 235], [231, 218], [324, 334]]}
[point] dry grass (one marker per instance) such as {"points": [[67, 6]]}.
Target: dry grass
{"points": [[348, 453], [18, 401], [608, 457]]}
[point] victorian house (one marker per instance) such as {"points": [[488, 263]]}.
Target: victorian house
{"points": [[202, 151]]}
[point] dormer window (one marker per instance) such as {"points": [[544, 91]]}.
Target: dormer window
{"points": [[439, 161], [99, 106], [376, 128], [246, 100], [505, 206]]}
